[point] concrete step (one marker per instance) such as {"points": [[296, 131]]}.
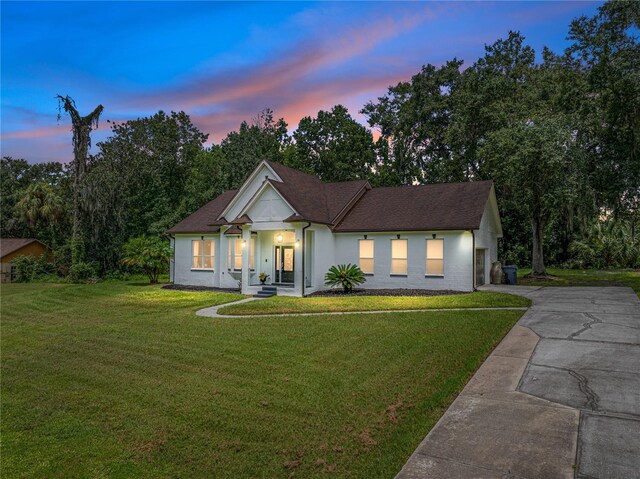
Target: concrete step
{"points": [[263, 294], [270, 288]]}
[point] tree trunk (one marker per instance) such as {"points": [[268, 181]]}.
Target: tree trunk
{"points": [[537, 256]]}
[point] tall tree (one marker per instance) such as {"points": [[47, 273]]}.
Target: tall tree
{"points": [[413, 119], [81, 126], [265, 138], [606, 48], [16, 176], [43, 210], [334, 146], [535, 164]]}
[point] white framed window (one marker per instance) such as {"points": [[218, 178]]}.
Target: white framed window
{"points": [[203, 252], [399, 256], [435, 257], [252, 253], [235, 253], [366, 255]]}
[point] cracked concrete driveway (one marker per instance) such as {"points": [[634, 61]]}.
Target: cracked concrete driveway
{"points": [[563, 402], [588, 357]]}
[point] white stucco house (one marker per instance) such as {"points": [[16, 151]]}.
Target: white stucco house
{"points": [[292, 227]]}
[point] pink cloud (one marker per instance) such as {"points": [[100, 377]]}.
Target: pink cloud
{"points": [[36, 132], [276, 74]]}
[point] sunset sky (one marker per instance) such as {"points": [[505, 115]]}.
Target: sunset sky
{"points": [[224, 62]]}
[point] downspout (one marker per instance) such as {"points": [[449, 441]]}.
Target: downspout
{"points": [[304, 239], [172, 272], [473, 260]]}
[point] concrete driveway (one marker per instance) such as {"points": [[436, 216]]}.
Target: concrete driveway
{"points": [[559, 397]]}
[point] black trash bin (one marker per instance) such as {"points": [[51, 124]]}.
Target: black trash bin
{"points": [[510, 274]]}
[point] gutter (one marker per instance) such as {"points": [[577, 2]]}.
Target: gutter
{"points": [[302, 245], [172, 271]]}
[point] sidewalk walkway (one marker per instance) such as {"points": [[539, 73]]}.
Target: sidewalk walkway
{"points": [[212, 312]]}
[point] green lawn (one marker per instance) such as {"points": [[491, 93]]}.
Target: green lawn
{"points": [[585, 277], [115, 380], [324, 304]]}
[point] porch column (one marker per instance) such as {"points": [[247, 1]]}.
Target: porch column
{"points": [[298, 259], [246, 238], [222, 261]]}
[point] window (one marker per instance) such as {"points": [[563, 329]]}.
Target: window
{"points": [[284, 237], [366, 256], [399, 256], [252, 252], [203, 254], [235, 253], [435, 257]]}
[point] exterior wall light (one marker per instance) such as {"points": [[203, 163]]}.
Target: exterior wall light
{"points": [[434, 236], [297, 243], [279, 238], [244, 244], [398, 236]]}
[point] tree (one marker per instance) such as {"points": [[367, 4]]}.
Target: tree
{"points": [[43, 210], [262, 139], [606, 50], [81, 126], [151, 254], [334, 147], [413, 119], [535, 164], [16, 177]]}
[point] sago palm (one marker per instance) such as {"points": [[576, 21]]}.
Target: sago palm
{"points": [[345, 275]]}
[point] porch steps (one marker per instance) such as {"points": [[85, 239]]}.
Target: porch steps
{"points": [[266, 292]]}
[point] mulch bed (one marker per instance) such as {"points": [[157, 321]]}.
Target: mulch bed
{"points": [[386, 292], [182, 287]]}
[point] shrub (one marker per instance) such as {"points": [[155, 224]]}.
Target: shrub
{"points": [[62, 259], [150, 253], [117, 275], [82, 273], [608, 244], [29, 268], [345, 275]]}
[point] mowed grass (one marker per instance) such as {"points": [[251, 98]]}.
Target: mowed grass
{"points": [[325, 304], [113, 380], [585, 277]]}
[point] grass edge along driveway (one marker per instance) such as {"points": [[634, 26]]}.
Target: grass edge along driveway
{"points": [[331, 304], [115, 380]]}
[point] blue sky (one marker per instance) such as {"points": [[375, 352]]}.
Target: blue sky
{"points": [[224, 62]]}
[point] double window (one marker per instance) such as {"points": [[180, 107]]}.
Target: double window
{"points": [[399, 256], [435, 257], [236, 247], [366, 256], [203, 252]]}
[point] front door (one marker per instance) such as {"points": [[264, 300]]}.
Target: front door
{"points": [[479, 267], [284, 264]]}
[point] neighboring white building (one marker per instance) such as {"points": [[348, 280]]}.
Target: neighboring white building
{"points": [[290, 225]]}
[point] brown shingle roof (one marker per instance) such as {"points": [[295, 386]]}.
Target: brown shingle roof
{"points": [[242, 220], [204, 219], [314, 200], [10, 245], [234, 230], [443, 206]]}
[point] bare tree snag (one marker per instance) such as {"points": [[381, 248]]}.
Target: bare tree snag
{"points": [[81, 127]]}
